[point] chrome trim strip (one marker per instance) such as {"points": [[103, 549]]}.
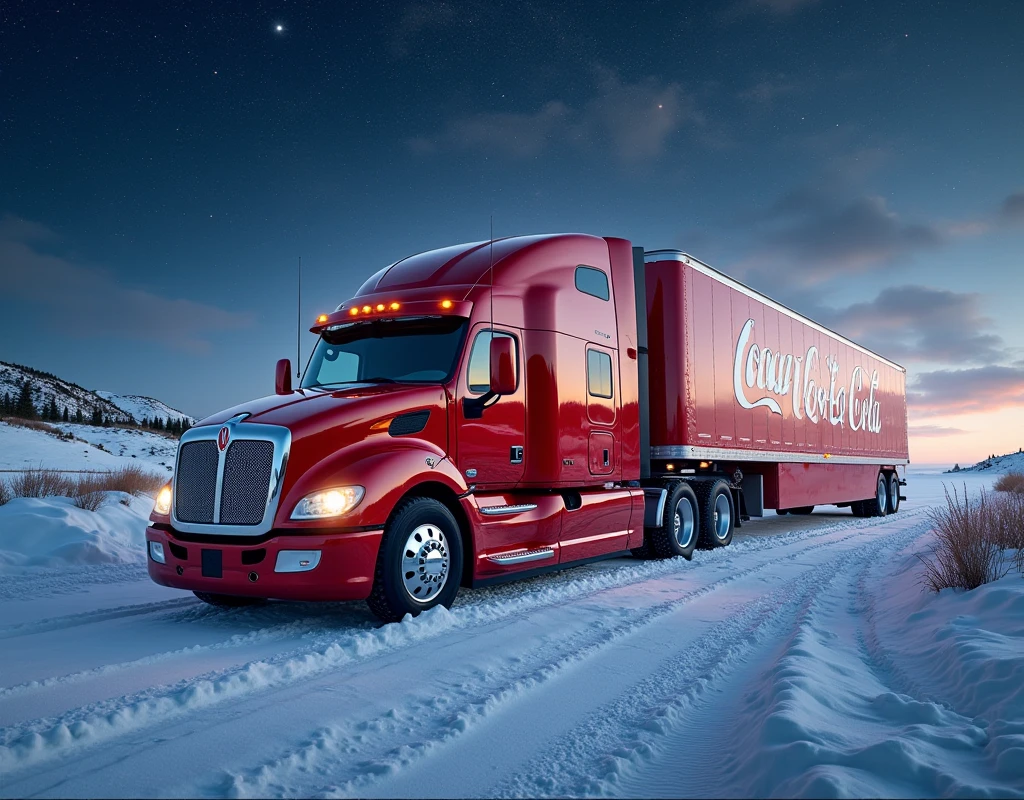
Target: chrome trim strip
{"points": [[493, 511], [780, 457], [281, 438], [653, 256], [522, 557]]}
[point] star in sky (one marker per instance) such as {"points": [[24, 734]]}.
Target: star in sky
{"points": [[278, 27]]}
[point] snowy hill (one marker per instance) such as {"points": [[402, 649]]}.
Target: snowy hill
{"points": [[997, 465], [145, 407], [86, 447], [67, 395]]}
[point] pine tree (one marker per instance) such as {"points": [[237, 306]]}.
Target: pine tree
{"points": [[97, 417], [66, 416], [79, 419], [52, 414], [24, 408]]}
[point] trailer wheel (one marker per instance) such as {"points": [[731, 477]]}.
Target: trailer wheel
{"points": [[879, 506], [802, 510], [781, 512], [714, 502], [679, 529], [858, 509], [419, 561], [228, 600], [894, 493]]}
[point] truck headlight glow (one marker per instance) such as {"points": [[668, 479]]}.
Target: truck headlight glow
{"points": [[163, 501], [328, 503]]}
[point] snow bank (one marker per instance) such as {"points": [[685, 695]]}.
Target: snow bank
{"points": [[1012, 462], [24, 448], [51, 532]]}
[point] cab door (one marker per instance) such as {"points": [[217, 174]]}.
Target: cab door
{"points": [[491, 450]]}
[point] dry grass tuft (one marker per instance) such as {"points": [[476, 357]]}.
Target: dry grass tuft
{"points": [[42, 483], [973, 539], [1010, 482], [90, 501], [5, 492], [132, 479]]}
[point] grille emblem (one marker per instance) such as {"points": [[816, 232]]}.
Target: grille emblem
{"points": [[222, 438]]}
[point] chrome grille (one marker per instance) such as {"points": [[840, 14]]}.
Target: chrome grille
{"points": [[196, 482], [248, 465]]}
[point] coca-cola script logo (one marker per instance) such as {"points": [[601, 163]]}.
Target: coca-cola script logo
{"points": [[798, 382], [222, 438]]}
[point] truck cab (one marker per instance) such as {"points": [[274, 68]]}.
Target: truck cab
{"points": [[469, 416]]}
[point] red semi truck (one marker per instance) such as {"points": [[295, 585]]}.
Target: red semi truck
{"points": [[494, 410]]}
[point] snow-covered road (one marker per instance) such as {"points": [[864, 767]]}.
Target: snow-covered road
{"points": [[804, 660]]}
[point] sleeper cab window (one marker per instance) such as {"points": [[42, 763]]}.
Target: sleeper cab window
{"points": [[593, 282], [599, 374], [479, 380]]}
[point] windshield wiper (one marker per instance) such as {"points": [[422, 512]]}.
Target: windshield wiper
{"points": [[361, 380]]}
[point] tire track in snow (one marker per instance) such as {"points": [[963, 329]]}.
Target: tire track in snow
{"points": [[634, 733], [313, 768], [42, 740]]}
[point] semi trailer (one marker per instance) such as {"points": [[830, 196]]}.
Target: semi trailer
{"points": [[495, 410]]}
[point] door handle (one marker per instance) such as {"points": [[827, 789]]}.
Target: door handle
{"points": [[516, 454]]}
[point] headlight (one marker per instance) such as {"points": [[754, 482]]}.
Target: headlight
{"points": [[328, 503], [163, 501]]}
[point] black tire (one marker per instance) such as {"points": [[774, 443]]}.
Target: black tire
{"points": [[714, 531], [894, 493], [858, 509], [680, 527], [781, 512], [878, 506], [439, 539], [228, 600], [802, 510]]}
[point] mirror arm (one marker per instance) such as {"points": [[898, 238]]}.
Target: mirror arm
{"points": [[473, 407]]}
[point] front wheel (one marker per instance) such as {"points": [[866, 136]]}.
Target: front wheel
{"points": [[419, 563], [714, 502]]}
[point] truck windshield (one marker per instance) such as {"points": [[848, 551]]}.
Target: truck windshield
{"points": [[412, 350]]}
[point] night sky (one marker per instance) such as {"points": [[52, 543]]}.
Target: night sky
{"points": [[163, 166]]}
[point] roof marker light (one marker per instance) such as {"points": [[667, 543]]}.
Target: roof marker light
{"points": [[367, 309], [394, 306], [380, 306], [446, 304], [353, 311], [321, 319]]}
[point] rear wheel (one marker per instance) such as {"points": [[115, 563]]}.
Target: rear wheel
{"points": [[879, 506], [858, 509], [228, 600], [679, 529], [714, 504], [894, 493], [419, 561]]}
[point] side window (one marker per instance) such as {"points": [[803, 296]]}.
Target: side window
{"points": [[593, 282], [599, 373], [479, 378]]}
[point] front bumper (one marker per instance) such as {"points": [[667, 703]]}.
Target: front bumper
{"points": [[345, 570]]}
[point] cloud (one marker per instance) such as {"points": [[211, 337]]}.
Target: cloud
{"points": [[933, 431], [1012, 212], [92, 301], [966, 391], [914, 323], [418, 19], [634, 120], [765, 92]]}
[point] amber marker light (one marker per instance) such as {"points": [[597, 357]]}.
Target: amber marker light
{"points": [[367, 309], [395, 306], [380, 306], [321, 319], [446, 304], [670, 467], [353, 311]]}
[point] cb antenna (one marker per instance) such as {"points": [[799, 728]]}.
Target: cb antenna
{"points": [[491, 274], [298, 327]]}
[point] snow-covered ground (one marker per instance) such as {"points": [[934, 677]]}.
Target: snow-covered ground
{"points": [[141, 407], [24, 448], [1011, 462], [804, 660]]}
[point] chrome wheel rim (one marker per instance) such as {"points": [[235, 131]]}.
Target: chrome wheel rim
{"points": [[684, 523], [880, 499], [723, 516], [894, 487], [425, 563]]}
